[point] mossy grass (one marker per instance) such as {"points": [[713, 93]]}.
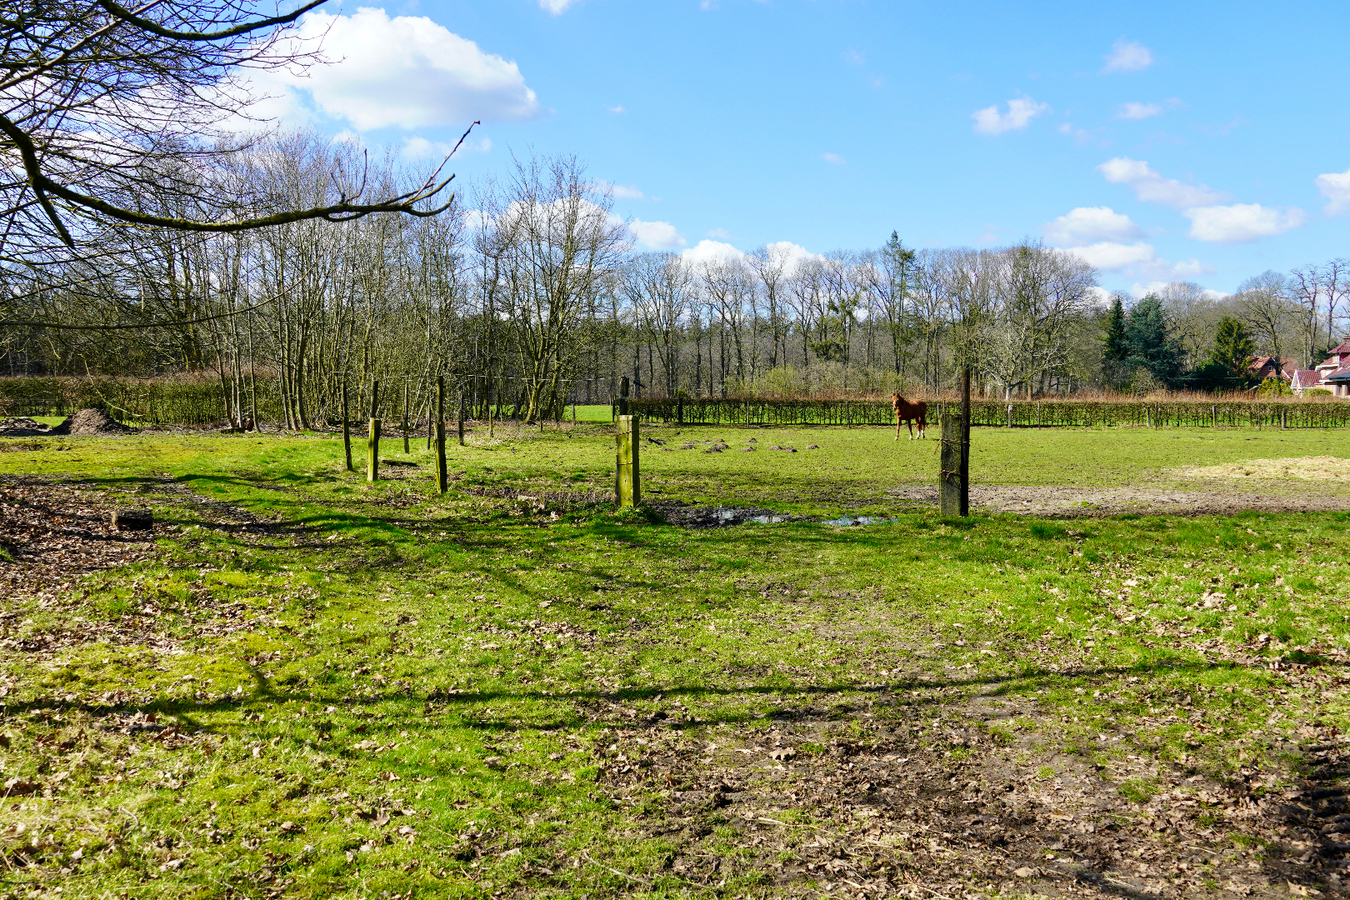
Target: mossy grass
{"points": [[325, 688]]}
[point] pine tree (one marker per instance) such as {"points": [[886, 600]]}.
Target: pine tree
{"points": [[1233, 347], [1150, 343], [1115, 349]]}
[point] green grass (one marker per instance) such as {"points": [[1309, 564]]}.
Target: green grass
{"points": [[390, 691]]}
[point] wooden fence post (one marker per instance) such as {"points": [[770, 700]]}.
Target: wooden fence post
{"points": [[460, 424], [949, 467], [965, 442], [406, 448], [627, 480], [623, 397], [346, 426], [373, 441], [442, 470]]}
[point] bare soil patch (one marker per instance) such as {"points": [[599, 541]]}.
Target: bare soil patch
{"points": [[934, 797], [1053, 501]]}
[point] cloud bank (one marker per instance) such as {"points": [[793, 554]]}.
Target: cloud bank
{"points": [[405, 72]]}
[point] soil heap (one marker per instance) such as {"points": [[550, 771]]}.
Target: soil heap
{"points": [[22, 426], [91, 422]]}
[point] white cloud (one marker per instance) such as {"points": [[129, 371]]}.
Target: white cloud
{"points": [[1133, 110], [407, 72], [418, 148], [1019, 115], [556, 7], [1081, 136], [1091, 225], [719, 233], [855, 57], [792, 255], [656, 235], [1144, 288], [617, 110], [711, 251], [832, 158], [1190, 268], [1240, 222], [1108, 255], [1153, 188], [1335, 186], [624, 191], [1139, 258], [1127, 57]]}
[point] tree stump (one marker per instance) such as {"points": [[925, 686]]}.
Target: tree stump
{"points": [[133, 519]]}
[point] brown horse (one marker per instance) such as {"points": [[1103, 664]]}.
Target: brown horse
{"points": [[911, 414]]}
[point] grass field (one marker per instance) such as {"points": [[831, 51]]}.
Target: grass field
{"points": [[309, 686]]}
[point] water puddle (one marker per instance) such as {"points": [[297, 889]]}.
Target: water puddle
{"points": [[850, 521]]}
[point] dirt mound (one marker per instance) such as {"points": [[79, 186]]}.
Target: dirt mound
{"points": [[91, 422], [1311, 468], [22, 426]]}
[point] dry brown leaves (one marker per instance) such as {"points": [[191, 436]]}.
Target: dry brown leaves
{"points": [[926, 800]]}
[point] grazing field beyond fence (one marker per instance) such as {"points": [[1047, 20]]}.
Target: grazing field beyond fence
{"points": [[198, 401], [1189, 413]]}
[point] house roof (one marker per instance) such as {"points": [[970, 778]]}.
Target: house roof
{"points": [[1340, 376], [1331, 362], [1307, 377], [1287, 365], [1342, 347]]}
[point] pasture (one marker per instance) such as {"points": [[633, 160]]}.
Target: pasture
{"points": [[1124, 676]]}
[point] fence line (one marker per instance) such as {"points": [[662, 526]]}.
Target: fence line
{"points": [[1283, 413]]}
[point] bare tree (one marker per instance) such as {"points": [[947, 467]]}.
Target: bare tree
{"points": [[1194, 315], [1267, 308], [559, 239], [658, 287]]}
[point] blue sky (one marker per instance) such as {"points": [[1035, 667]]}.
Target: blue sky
{"points": [[1200, 141]]}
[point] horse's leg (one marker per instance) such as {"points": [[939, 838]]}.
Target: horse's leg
{"points": [[897, 424]]}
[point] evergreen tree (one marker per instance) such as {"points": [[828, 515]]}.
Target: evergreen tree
{"points": [[1115, 349], [1114, 370], [1234, 348], [1150, 344]]}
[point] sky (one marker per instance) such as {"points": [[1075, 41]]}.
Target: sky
{"points": [[1194, 140]]}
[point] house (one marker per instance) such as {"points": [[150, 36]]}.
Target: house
{"points": [[1264, 367], [1305, 380], [1339, 359], [1338, 382]]}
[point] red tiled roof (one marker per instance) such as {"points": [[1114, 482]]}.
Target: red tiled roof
{"points": [[1307, 377], [1342, 347]]}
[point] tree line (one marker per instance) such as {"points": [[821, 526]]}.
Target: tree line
{"points": [[528, 293]]}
